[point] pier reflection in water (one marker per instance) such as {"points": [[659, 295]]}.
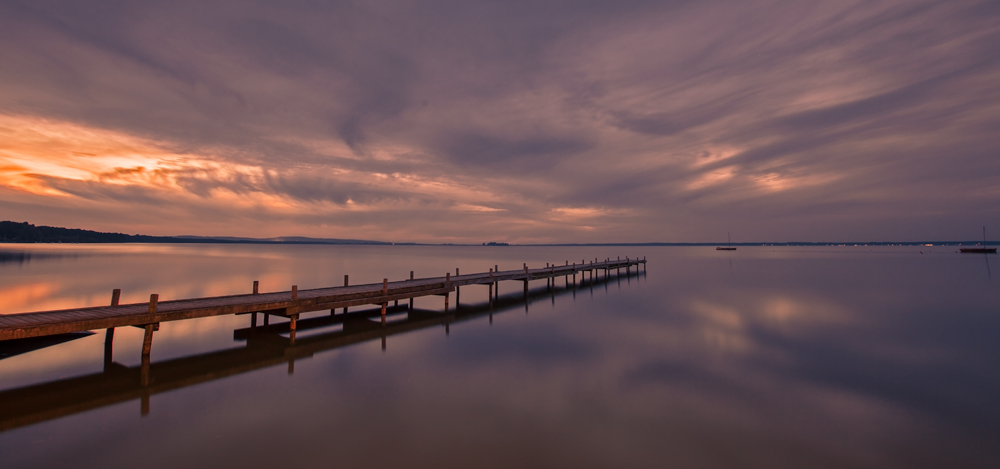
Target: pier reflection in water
{"points": [[776, 357]]}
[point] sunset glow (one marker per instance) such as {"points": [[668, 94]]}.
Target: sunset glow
{"points": [[654, 119]]}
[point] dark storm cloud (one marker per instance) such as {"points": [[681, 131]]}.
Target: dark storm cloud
{"points": [[554, 116]]}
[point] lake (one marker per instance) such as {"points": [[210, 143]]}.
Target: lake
{"points": [[839, 356]]}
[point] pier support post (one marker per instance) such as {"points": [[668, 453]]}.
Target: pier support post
{"points": [[147, 348], [109, 338], [253, 315], [345, 284], [292, 323], [109, 334], [295, 292], [385, 291], [447, 282]]}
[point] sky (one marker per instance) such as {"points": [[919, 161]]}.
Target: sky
{"points": [[513, 121]]}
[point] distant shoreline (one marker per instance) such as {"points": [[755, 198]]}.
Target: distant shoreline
{"points": [[14, 233]]}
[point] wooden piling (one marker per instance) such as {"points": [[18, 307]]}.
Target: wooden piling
{"points": [[147, 348], [385, 291], [256, 285], [295, 292], [292, 322], [410, 308], [109, 333], [345, 284], [147, 340]]}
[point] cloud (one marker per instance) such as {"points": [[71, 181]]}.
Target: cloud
{"points": [[673, 119]]}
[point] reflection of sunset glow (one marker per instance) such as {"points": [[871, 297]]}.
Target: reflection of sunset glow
{"points": [[19, 298]]}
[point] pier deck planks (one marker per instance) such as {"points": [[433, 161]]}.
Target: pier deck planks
{"points": [[42, 323]]}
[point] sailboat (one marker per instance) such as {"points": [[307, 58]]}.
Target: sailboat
{"points": [[982, 250], [729, 245]]}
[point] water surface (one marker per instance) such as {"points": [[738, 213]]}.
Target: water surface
{"points": [[762, 357]]}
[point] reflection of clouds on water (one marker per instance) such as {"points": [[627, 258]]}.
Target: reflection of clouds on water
{"points": [[22, 297], [805, 358]]}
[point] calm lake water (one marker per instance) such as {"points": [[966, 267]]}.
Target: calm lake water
{"points": [[763, 357]]}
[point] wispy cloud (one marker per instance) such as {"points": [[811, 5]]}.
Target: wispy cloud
{"points": [[468, 120]]}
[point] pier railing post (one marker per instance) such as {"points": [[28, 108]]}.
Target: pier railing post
{"points": [[295, 292], [345, 284]]}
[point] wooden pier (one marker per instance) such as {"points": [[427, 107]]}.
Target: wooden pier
{"points": [[272, 345], [288, 304]]}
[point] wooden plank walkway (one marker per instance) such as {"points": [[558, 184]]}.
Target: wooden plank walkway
{"points": [[286, 304]]}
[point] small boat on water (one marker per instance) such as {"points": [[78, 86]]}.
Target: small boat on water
{"points": [[982, 250], [729, 245]]}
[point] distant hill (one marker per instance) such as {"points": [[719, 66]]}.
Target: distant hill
{"points": [[24, 232]]}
